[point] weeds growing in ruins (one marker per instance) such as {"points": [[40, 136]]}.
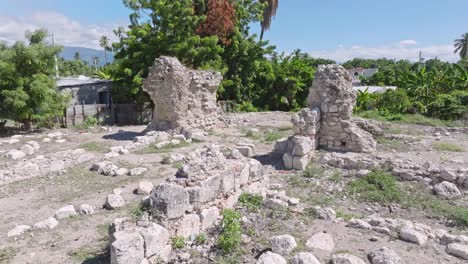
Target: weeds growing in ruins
{"points": [[313, 171], [377, 186], [252, 202], [6, 254], [178, 242], [345, 215], [166, 149], [93, 146], [445, 146], [231, 232], [273, 136], [201, 239]]}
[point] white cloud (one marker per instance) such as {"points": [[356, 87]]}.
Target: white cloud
{"points": [[408, 42], [67, 32], [407, 50]]}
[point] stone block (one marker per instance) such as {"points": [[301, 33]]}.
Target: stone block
{"points": [[169, 200]]}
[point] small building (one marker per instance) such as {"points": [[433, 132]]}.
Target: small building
{"points": [[85, 90], [359, 72], [374, 89]]}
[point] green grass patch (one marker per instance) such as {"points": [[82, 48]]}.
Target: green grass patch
{"points": [[178, 242], [445, 146], [252, 202], [231, 231], [94, 146], [345, 215], [408, 119], [313, 171], [165, 149], [7, 254], [377, 186], [273, 136]]}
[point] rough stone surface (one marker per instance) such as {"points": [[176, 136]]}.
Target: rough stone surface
{"points": [[127, 248], [208, 217], [49, 223], [28, 149], [15, 154], [447, 190], [137, 171], [304, 258], [86, 209], [189, 225], [413, 236], [458, 250], [345, 259], [169, 200], [325, 213], [333, 93], [65, 212], [145, 187], [321, 241], [156, 238], [271, 258], [184, 99], [384, 255], [18, 230], [114, 201], [283, 244]]}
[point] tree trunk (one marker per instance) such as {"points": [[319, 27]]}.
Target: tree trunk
{"points": [[105, 56], [261, 34]]}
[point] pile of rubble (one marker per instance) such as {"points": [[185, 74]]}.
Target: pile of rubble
{"points": [[189, 203], [327, 122]]}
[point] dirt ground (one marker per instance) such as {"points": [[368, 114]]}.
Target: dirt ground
{"points": [[83, 239]]}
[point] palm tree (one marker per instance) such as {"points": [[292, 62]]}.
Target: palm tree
{"points": [[95, 62], [268, 14], [461, 46], [104, 43], [76, 56]]}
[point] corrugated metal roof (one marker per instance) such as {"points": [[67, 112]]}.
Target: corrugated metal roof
{"points": [[77, 81]]}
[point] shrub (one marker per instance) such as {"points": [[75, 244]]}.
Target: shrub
{"points": [[449, 106], [444, 146], [313, 171], [90, 121], [377, 186], [251, 201], [392, 102], [230, 237], [178, 242]]}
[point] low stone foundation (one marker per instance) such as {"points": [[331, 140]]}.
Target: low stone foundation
{"points": [[187, 204]]}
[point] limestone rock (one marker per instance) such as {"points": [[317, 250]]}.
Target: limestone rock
{"points": [[458, 250], [127, 248], [345, 259], [114, 201], [183, 98], [65, 212], [34, 144], [246, 151], [321, 241], [156, 238], [18, 230], [413, 236], [137, 171], [189, 225], [86, 209], [145, 187], [253, 132], [121, 171], [384, 255], [15, 154], [49, 223], [208, 217], [169, 200], [447, 190], [271, 258], [172, 158], [304, 258], [325, 213], [283, 244], [359, 224], [306, 122]]}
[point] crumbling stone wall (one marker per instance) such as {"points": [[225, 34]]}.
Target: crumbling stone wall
{"points": [[327, 122], [184, 99], [187, 204]]}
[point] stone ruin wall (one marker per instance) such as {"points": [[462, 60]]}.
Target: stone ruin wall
{"points": [[188, 204], [327, 121], [184, 99]]}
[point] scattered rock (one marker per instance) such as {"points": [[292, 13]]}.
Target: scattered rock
{"points": [[345, 259], [145, 187], [15, 154], [321, 241], [283, 244], [127, 248], [458, 250], [49, 223], [18, 230], [413, 236], [271, 258], [86, 209], [137, 171], [325, 213], [65, 212], [304, 258], [114, 201], [156, 238], [384, 255], [246, 151], [34, 144], [208, 217], [121, 171], [359, 224], [169, 200], [253, 132], [172, 158], [447, 190]]}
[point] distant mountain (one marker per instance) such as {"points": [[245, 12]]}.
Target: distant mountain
{"points": [[86, 54]]}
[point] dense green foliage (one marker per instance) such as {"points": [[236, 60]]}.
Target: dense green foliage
{"points": [[231, 231], [27, 86], [74, 67], [436, 89]]}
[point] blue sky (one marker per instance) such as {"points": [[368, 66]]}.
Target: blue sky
{"points": [[338, 29]]}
